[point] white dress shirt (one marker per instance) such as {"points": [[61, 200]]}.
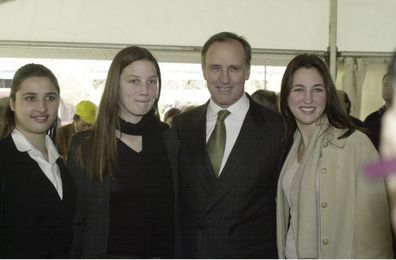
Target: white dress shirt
{"points": [[49, 168], [233, 123]]}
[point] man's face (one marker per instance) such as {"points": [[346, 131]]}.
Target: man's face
{"points": [[225, 72], [81, 125]]}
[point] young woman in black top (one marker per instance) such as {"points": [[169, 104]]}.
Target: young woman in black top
{"points": [[124, 183]]}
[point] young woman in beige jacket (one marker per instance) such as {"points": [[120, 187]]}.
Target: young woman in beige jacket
{"points": [[326, 208]]}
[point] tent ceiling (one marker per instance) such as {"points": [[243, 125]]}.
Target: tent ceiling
{"points": [[267, 24], [97, 29]]}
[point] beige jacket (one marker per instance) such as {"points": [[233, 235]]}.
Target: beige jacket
{"points": [[339, 213]]}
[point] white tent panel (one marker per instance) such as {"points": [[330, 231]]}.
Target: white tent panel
{"points": [[366, 25], [268, 24]]}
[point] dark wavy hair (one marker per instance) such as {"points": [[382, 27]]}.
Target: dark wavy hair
{"points": [[336, 115], [266, 98]]}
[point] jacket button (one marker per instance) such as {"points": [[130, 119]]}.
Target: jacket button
{"points": [[323, 171], [323, 204], [325, 144], [325, 241]]}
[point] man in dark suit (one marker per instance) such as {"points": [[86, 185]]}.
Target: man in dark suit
{"points": [[346, 106], [373, 120], [227, 209]]}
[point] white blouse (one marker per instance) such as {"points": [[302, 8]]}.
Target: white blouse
{"points": [[49, 168], [290, 246]]}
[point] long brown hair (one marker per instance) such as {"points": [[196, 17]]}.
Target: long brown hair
{"points": [[102, 159], [336, 115], [24, 72]]}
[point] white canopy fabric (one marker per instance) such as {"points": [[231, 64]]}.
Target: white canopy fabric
{"points": [[361, 79], [270, 24], [363, 25]]}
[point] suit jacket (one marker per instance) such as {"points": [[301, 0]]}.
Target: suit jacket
{"points": [[62, 139], [373, 124], [36, 222], [91, 222], [232, 216]]}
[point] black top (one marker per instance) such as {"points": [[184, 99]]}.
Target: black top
{"points": [[373, 124], [138, 226], [91, 223]]}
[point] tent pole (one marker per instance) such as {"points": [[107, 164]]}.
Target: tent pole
{"points": [[333, 38]]}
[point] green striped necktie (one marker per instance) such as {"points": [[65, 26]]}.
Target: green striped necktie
{"points": [[216, 142]]}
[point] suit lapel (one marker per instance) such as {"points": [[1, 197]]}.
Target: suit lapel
{"points": [[250, 134], [35, 176]]}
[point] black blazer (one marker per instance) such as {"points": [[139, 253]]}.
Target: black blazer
{"points": [[36, 222], [232, 216]]}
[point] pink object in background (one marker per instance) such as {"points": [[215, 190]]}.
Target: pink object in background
{"points": [[380, 169]]}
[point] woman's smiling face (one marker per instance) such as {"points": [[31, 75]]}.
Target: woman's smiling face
{"points": [[307, 98]]}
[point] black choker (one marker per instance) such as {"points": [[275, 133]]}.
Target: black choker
{"points": [[148, 121]]}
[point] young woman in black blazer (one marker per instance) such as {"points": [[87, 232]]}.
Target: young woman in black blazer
{"points": [[37, 194]]}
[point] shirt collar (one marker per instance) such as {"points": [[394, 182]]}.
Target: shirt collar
{"points": [[238, 109], [23, 145]]}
